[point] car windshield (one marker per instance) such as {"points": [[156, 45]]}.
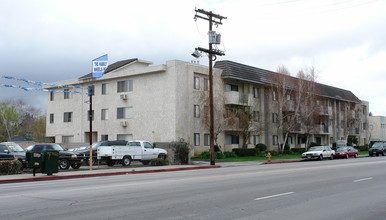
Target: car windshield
{"points": [[341, 149], [16, 148], [377, 145], [319, 148], [57, 147], [95, 145]]}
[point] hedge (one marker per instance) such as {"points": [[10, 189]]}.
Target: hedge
{"points": [[10, 167]]}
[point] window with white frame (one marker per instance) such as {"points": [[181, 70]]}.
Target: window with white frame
{"points": [[196, 111], [67, 117], [256, 139], [66, 93], [275, 140], [124, 112], [51, 118], [67, 139], [231, 87], [196, 139], [196, 82], [255, 92], [104, 114], [125, 86], [104, 88], [206, 140], [231, 139], [206, 84]]}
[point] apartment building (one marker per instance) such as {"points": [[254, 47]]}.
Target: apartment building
{"points": [[377, 128], [132, 100], [168, 103]]}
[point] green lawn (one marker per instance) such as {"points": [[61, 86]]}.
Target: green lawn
{"points": [[251, 158]]}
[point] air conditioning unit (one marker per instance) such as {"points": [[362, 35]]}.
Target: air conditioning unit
{"points": [[123, 96], [123, 123]]}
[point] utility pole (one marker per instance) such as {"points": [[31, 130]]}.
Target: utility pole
{"points": [[91, 93], [213, 19]]}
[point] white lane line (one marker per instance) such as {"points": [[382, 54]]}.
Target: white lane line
{"points": [[268, 197], [364, 179]]}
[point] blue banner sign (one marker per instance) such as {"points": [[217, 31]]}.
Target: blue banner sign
{"points": [[99, 65]]}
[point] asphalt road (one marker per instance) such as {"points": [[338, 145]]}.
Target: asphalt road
{"points": [[337, 189]]}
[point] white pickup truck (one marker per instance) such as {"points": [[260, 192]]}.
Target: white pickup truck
{"points": [[134, 150]]}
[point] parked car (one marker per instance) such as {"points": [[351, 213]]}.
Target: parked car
{"points": [[346, 152], [378, 148], [11, 150], [85, 151], [319, 152], [66, 158]]}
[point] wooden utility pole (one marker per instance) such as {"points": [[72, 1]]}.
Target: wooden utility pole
{"points": [[216, 19]]}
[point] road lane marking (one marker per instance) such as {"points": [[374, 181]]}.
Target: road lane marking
{"points": [[364, 179], [272, 196]]}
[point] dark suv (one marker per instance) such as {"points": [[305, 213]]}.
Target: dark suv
{"points": [[378, 148], [10, 151], [66, 158], [86, 152]]}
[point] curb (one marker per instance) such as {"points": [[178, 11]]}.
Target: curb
{"points": [[283, 161], [46, 178]]}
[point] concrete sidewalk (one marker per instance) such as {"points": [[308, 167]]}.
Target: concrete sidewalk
{"points": [[84, 171]]}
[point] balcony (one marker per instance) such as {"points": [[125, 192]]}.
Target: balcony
{"points": [[236, 98]]}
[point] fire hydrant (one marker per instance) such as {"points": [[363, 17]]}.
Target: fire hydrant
{"points": [[268, 156]]}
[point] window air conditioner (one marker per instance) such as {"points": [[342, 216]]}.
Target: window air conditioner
{"points": [[123, 123], [123, 96]]}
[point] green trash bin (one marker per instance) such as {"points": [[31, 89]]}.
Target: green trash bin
{"points": [[49, 162], [34, 160]]}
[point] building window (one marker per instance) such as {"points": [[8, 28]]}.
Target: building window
{"points": [[231, 139], [104, 137], [289, 140], [206, 84], [196, 82], [104, 88], [230, 87], [275, 140], [124, 137], [255, 92], [274, 117], [51, 118], [255, 115], [288, 97], [66, 93], [104, 114], [67, 139], [196, 111], [92, 115], [196, 139], [256, 139], [125, 86], [274, 95], [206, 140], [51, 96], [67, 117], [125, 112]]}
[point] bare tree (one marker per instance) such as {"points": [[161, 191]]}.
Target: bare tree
{"points": [[9, 119]]}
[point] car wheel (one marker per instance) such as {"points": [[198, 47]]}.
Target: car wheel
{"points": [[126, 161], [110, 162], [331, 157], [346, 156], [94, 161], [320, 157], [162, 156], [356, 155], [64, 164], [76, 165]]}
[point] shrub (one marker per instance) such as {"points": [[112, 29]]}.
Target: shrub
{"points": [[362, 147], [273, 152], [245, 152], [229, 154], [217, 148], [182, 152], [288, 152], [298, 150], [10, 167], [205, 155], [219, 155], [159, 162], [261, 147]]}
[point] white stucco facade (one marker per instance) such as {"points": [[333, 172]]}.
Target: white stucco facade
{"points": [[158, 105]]}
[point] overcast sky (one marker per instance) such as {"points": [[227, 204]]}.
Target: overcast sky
{"points": [[49, 41]]}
